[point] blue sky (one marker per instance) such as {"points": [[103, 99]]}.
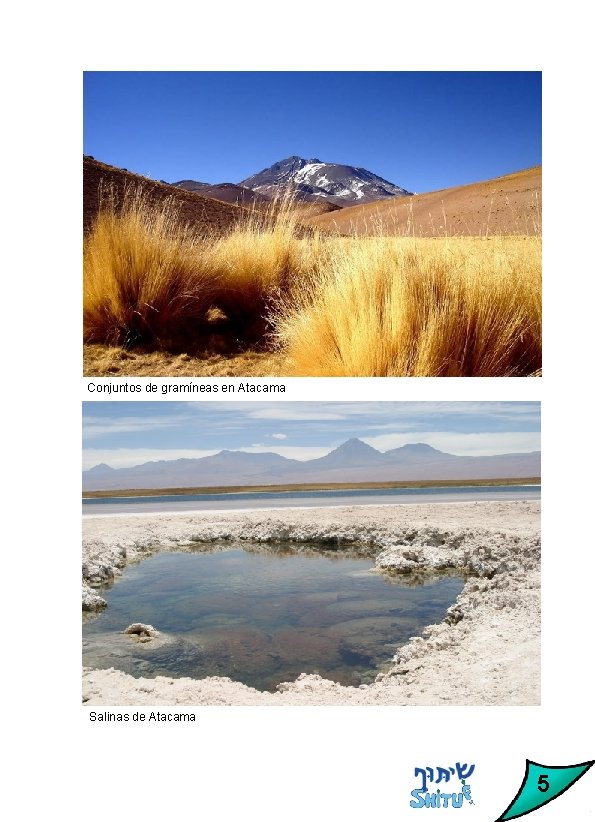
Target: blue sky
{"points": [[421, 130], [129, 433]]}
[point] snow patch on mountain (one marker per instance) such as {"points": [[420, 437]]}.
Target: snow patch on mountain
{"points": [[340, 184]]}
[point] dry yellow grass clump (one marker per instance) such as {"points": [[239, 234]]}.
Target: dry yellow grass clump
{"points": [[329, 306], [450, 307], [146, 277], [259, 262], [150, 280]]}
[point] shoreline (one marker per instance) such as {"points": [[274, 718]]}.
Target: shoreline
{"points": [[232, 506], [141, 493], [486, 652], [199, 512]]}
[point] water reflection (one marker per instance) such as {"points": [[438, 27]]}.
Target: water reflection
{"points": [[263, 617]]}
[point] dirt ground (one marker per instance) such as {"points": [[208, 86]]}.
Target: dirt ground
{"points": [[203, 213], [112, 361], [503, 206]]}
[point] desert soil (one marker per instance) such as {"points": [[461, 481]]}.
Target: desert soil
{"points": [[205, 214], [503, 206], [486, 652], [112, 361]]}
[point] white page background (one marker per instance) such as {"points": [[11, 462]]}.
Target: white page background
{"points": [[273, 763]]}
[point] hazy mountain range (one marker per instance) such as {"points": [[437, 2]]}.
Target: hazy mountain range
{"points": [[308, 180], [353, 461]]}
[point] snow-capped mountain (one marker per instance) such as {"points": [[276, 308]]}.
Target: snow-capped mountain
{"points": [[313, 179]]}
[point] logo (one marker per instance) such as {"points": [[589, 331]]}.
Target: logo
{"points": [[542, 784], [429, 795]]}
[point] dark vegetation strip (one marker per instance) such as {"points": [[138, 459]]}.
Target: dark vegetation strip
{"points": [[308, 486]]}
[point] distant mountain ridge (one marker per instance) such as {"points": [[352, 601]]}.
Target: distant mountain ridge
{"points": [[226, 192], [308, 181], [353, 461]]}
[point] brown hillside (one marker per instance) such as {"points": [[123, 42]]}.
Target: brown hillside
{"points": [[227, 193], [314, 209], [505, 205], [205, 213]]}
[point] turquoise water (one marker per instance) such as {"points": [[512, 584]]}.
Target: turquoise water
{"points": [[287, 499], [262, 618]]}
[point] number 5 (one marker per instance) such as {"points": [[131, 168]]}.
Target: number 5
{"points": [[542, 783]]}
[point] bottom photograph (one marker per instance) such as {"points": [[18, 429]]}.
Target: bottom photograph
{"points": [[311, 553]]}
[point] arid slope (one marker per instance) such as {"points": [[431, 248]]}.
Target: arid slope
{"points": [[204, 213], [504, 205], [226, 192]]}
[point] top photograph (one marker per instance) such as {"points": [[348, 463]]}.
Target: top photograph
{"points": [[312, 224]]}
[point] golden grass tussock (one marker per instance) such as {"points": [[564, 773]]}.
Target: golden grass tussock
{"points": [[404, 307], [147, 279], [150, 280], [258, 263], [329, 306]]}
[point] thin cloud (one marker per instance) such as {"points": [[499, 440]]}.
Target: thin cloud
{"points": [[94, 427], [292, 414]]}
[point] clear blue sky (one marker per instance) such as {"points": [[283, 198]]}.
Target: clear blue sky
{"points": [[421, 130], [130, 433]]}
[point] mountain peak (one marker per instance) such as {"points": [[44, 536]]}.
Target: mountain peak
{"points": [[352, 461], [353, 452], [416, 452], [313, 180], [419, 447], [101, 468], [354, 444]]}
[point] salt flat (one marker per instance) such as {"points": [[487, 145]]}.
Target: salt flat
{"points": [[486, 652]]}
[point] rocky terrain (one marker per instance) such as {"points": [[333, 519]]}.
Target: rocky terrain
{"points": [[313, 179]]}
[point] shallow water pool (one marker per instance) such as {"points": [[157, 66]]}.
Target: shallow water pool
{"points": [[262, 618]]}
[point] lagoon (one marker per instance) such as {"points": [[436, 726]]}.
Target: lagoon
{"points": [[262, 616], [264, 500]]}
